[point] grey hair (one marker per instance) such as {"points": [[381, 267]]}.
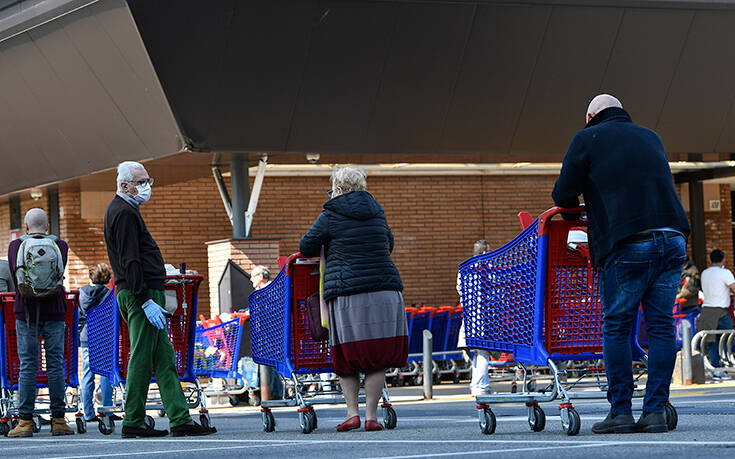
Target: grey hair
{"points": [[260, 269], [480, 247], [125, 173], [36, 220], [349, 178]]}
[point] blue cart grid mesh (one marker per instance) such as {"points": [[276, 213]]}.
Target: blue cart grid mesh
{"points": [[267, 321], [216, 350], [499, 294], [439, 324], [102, 336], [420, 322]]}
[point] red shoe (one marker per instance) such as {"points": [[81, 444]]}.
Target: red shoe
{"points": [[350, 424], [371, 426]]}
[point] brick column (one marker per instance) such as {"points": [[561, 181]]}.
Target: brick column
{"points": [[246, 253]]}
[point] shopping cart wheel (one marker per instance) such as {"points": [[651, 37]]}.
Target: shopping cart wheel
{"points": [[36, 423], [536, 418], [269, 422], [312, 414], [161, 413], [150, 421], [234, 400], [305, 422], [487, 421], [436, 379], [254, 400], [5, 428], [456, 378], [672, 418], [389, 417], [514, 388], [570, 421], [106, 425], [81, 425], [204, 420]]}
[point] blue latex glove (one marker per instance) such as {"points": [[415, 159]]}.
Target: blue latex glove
{"points": [[155, 314]]}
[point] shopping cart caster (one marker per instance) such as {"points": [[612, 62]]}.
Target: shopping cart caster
{"points": [[570, 420], [456, 378], [81, 425], [204, 420], [487, 419], [234, 400], [536, 417], [161, 413], [312, 414], [36, 423], [672, 418], [389, 416], [305, 420], [254, 400], [5, 428], [150, 422], [514, 388], [269, 422], [105, 425]]}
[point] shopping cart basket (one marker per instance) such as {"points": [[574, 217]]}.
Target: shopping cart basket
{"points": [[279, 330], [538, 297], [10, 364], [109, 348]]}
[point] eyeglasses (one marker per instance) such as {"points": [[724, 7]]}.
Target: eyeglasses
{"points": [[329, 193], [149, 181]]}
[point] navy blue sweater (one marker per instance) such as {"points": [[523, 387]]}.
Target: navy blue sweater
{"points": [[622, 171], [358, 243]]}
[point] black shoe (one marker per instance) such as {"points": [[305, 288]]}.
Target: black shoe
{"points": [[191, 430], [652, 423], [143, 431], [615, 423]]}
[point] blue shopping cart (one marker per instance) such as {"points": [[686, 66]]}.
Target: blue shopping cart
{"points": [[538, 298], [280, 338], [109, 348]]}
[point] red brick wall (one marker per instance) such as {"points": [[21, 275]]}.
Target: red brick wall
{"points": [[435, 219], [718, 227]]}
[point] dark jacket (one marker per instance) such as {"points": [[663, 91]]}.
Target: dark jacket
{"points": [[49, 308], [89, 296], [691, 284], [358, 243], [134, 256], [622, 171]]}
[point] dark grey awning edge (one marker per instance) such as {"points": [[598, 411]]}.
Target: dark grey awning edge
{"points": [[29, 14]]}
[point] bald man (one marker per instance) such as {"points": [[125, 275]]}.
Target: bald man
{"points": [[637, 237], [36, 317]]}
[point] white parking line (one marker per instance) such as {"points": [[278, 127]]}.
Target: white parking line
{"points": [[170, 451], [496, 451]]}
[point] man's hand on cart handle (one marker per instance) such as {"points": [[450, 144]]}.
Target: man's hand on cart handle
{"points": [[155, 314]]}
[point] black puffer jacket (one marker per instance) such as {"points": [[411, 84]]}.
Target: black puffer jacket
{"points": [[357, 242]]}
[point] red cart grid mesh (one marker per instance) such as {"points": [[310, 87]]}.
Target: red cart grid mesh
{"points": [[573, 308], [305, 352]]}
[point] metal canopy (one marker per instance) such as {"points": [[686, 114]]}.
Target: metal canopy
{"points": [[78, 94], [504, 78]]}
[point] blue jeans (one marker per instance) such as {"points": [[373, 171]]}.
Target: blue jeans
{"points": [[88, 387], [647, 273], [53, 339], [712, 348]]}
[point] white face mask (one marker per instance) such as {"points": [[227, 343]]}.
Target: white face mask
{"points": [[144, 193]]}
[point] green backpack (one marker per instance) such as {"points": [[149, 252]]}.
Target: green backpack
{"points": [[39, 267]]}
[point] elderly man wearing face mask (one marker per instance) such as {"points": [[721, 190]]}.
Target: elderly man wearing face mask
{"points": [[139, 277]]}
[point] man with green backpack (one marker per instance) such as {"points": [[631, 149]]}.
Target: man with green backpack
{"points": [[37, 261]]}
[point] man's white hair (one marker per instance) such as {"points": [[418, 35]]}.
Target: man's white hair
{"points": [[125, 171], [349, 178], [601, 102], [36, 220]]}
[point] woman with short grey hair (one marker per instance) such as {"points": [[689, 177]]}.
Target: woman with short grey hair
{"points": [[367, 317]]}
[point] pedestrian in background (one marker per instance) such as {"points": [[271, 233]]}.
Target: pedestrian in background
{"points": [[637, 231], [40, 311], [718, 284], [6, 279], [362, 287], [480, 382], [139, 272]]}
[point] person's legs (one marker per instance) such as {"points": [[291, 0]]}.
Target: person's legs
{"points": [[374, 383], [708, 320], [53, 342], [142, 346], [623, 281], [164, 365], [350, 388], [27, 340], [480, 383], [657, 305], [106, 390], [87, 386]]}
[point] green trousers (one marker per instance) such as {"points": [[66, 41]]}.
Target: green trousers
{"points": [[150, 347]]}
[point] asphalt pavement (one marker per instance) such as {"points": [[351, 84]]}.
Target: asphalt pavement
{"points": [[444, 427]]}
